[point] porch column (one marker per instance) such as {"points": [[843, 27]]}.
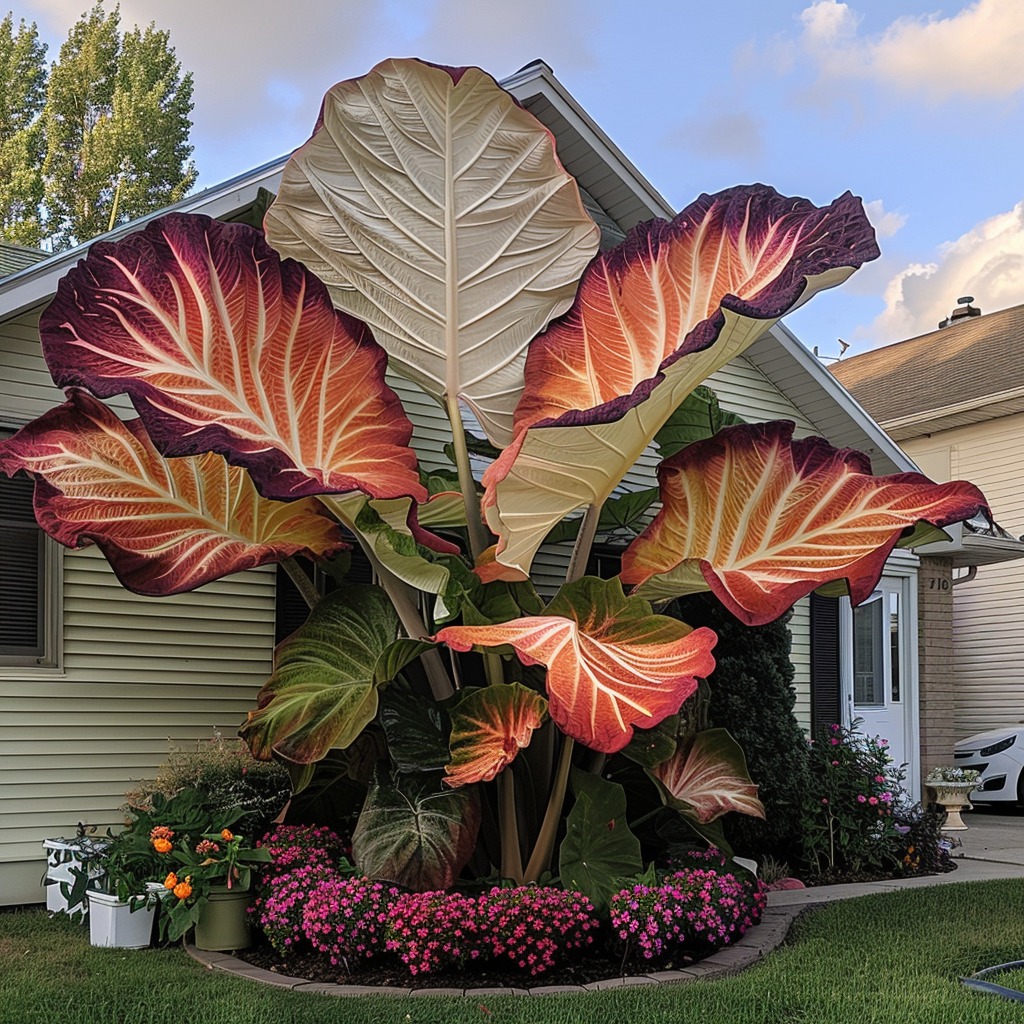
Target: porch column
{"points": [[935, 661]]}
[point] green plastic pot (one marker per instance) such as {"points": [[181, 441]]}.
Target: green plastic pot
{"points": [[224, 921]]}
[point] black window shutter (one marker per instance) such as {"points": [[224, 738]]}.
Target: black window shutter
{"points": [[22, 558], [825, 684]]}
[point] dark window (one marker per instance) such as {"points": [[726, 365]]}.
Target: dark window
{"points": [[25, 580], [292, 609]]}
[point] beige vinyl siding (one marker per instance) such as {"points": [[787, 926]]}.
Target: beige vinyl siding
{"points": [[988, 624], [139, 675]]}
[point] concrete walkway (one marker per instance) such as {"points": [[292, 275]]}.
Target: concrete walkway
{"points": [[991, 848]]}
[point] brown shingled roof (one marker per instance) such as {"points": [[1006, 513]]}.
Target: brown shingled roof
{"points": [[968, 363]]}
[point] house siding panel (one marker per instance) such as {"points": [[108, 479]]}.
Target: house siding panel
{"points": [[139, 674], [988, 642]]}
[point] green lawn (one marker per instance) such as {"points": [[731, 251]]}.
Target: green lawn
{"points": [[892, 957]]}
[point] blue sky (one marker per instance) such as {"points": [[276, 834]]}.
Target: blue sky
{"points": [[914, 105]]}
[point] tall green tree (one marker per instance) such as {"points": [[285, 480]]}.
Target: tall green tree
{"points": [[116, 124], [22, 98]]}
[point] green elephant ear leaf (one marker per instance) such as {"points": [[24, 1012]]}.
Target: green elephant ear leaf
{"points": [[416, 727], [698, 417], [599, 854], [323, 691], [416, 833]]}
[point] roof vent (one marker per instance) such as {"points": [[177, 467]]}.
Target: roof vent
{"points": [[964, 310]]}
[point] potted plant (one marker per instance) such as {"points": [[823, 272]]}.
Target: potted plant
{"points": [[952, 787], [209, 885], [70, 864]]}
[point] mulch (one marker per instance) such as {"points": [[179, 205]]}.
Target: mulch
{"points": [[594, 965]]}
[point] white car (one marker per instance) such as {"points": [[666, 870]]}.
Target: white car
{"points": [[999, 756]]}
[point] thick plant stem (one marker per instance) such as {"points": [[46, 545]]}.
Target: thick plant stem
{"points": [[404, 605], [511, 858], [540, 859], [584, 542], [303, 584], [478, 539]]}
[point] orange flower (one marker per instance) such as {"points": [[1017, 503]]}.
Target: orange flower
{"points": [[183, 889], [162, 845], [171, 881], [227, 835]]}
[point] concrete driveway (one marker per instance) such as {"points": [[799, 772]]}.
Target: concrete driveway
{"points": [[992, 835]]}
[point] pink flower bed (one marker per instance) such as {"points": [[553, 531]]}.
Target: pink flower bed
{"points": [[696, 908]]}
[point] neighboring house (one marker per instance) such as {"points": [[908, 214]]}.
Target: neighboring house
{"points": [[94, 681], [954, 400]]}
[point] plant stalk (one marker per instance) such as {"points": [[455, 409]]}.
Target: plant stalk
{"points": [[511, 857], [303, 584], [584, 543], [540, 859], [478, 539]]}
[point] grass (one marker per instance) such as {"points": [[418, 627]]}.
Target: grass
{"points": [[893, 957]]}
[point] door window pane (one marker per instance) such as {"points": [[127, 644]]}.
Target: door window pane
{"points": [[894, 645], [868, 650]]}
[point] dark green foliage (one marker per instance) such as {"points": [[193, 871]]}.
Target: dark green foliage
{"points": [[751, 695]]}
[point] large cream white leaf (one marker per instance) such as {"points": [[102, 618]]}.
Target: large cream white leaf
{"points": [[435, 209]]}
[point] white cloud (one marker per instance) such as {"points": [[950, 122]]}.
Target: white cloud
{"points": [[986, 262], [885, 222], [975, 52]]}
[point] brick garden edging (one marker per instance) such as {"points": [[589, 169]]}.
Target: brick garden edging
{"points": [[759, 940]]}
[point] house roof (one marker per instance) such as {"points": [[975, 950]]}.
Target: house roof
{"points": [[15, 257], [966, 373], [617, 195]]}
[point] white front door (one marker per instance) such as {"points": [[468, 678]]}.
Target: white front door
{"points": [[878, 682]]}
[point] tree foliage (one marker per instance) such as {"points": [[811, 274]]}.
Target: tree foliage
{"points": [[99, 140], [22, 99]]}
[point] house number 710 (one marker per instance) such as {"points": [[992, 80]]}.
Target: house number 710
{"points": [[943, 584]]}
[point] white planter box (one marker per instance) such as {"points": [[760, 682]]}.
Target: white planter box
{"points": [[112, 923], [63, 857]]}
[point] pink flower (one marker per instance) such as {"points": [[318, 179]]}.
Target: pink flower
{"points": [[861, 798], [834, 741], [873, 800]]}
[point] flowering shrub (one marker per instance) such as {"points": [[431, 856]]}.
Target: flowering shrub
{"points": [[281, 901], [949, 773], [698, 909], [291, 846], [345, 917], [847, 821], [535, 928]]}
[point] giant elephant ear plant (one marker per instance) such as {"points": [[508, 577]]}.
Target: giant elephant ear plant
{"points": [[428, 226]]}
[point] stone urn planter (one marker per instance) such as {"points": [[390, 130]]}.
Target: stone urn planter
{"points": [[953, 797]]}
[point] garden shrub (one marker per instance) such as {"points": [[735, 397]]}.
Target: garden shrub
{"points": [[697, 910], [752, 696], [281, 901], [227, 777], [346, 918], [923, 849], [291, 846], [533, 927], [848, 827]]}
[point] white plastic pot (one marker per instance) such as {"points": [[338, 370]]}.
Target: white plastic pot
{"points": [[113, 923]]}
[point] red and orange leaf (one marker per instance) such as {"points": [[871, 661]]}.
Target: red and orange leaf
{"points": [[165, 525], [652, 319], [489, 728], [762, 520], [612, 664], [224, 347], [710, 778]]}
